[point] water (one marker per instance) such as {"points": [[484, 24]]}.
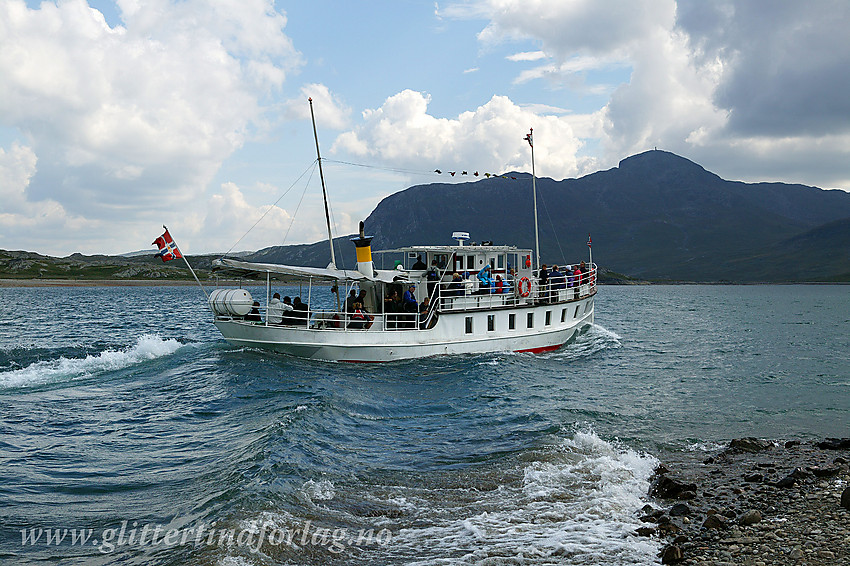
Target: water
{"points": [[127, 418]]}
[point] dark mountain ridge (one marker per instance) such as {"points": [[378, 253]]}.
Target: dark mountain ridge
{"points": [[656, 216]]}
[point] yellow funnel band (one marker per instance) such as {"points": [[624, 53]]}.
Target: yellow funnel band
{"points": [[364, 254]]}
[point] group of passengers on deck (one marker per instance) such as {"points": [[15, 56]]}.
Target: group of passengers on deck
{"points": [[404, 311]]}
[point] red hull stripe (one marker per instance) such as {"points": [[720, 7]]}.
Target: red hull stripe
{"points": [[542, 349]]}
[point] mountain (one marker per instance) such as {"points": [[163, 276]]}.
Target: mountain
{"points": [[655, 216]]}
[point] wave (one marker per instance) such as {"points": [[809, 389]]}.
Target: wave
{"points": [[574, 501], [147, 347], [587, 344], [577, 503]]}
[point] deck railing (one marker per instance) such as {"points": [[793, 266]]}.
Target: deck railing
{"points": [[448, 296]]}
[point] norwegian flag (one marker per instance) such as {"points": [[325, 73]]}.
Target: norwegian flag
{"points": [[168, 250], [588, 240], [529, 138]]}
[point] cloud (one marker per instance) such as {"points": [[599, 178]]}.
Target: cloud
{"points": [[783, 64], [22, 219], [330, 111], [140, 114], [725, 83], [231, 221], [488, 138]]}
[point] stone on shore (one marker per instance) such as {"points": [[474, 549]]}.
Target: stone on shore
{"points": [[672, 554], [751, 517], [845, 498], [750, 444]]}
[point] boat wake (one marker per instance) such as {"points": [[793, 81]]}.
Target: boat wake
{"points": [[147, 347], [591, 342]]}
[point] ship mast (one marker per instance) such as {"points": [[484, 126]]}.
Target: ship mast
{"points": [[530, 141], [325, 197], [324, 191]]}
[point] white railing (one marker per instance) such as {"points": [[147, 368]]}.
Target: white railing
{"points": [[449, 296]]}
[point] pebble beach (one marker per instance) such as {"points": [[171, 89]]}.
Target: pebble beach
{"points": [[755, 503]]}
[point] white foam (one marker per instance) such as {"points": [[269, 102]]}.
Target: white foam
{"points": [[577, 503], [147, 347], [321, 490]]}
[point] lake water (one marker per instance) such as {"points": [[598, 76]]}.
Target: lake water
{"points": [[131, 433]]}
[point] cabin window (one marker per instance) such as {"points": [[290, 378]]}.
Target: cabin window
{"points": [[441, 259], [563, 315], [491, 322], [500, 262], [548, 318], [470, 262], [576, 313], [530, 320], [469, 325], [511, 322]]}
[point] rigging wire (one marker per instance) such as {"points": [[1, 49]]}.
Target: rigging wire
{"points": [[552, 224], [263, 215], [298, 207]]}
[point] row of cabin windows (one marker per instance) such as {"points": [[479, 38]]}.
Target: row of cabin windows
{"points": [[529, 322]]}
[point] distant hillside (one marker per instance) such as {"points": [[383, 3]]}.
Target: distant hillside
{"points": [[655, 216], [29, 265]]}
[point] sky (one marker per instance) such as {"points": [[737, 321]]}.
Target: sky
{"points": [[117, 118]]}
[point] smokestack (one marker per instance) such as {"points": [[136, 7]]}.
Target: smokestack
{"points": [[363, 245]]}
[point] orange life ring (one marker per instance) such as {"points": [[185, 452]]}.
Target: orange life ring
{"points": [[522, 283]]}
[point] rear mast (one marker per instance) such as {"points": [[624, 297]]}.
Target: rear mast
{"points": [[324, 195]]}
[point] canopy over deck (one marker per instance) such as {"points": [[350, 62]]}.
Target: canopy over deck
{"points": [[250, 270]]}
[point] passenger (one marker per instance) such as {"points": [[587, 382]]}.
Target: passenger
{"points": [[456, 286], [583, 278], [254, 315], [410, 306], [485, 280], [571, 281], [500, 287], [544, 284], [433, 277], [419, 263], [424, 309], [397, 309], [301, 311], [358, 317], [349, 302], [577, 275], [558, 279], [274, 314], [361, 298], [391, 308]]}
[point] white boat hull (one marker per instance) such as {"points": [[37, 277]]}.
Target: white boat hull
{"points": [[452, 334]]}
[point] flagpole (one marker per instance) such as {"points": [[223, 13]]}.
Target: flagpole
{"points": [[530, 140], [189, 266]]}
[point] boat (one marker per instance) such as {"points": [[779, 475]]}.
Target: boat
{"points": [[451, 299]]}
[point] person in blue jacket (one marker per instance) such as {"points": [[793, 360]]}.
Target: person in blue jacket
{"points": [[485, 279]]}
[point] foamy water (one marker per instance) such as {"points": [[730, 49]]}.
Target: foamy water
{"points": [[147, 347]]}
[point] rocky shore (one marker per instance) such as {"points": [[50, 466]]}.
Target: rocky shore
{"points": [[756, 503]]}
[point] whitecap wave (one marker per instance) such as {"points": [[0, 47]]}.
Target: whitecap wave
{"points": [[577, 504], [587, 344], [147, 347]]}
